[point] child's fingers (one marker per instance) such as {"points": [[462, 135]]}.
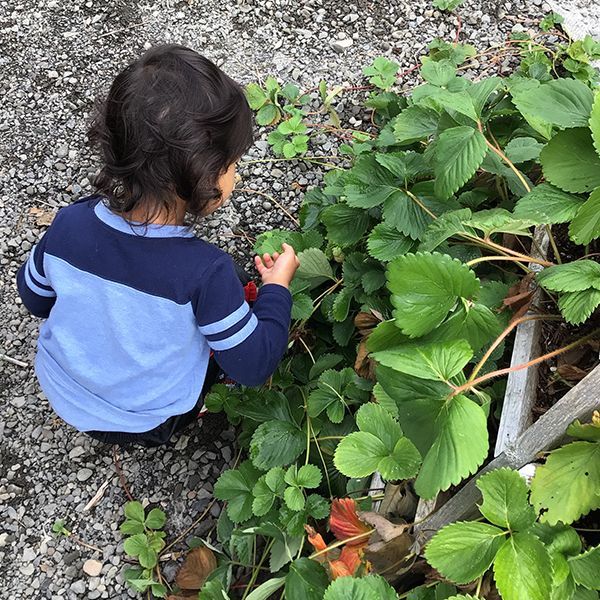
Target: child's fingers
{"points": [[267, 260], [275, 255], [260, 267]]}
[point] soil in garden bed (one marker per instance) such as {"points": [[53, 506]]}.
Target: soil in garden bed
{"points": [[558, 375]]}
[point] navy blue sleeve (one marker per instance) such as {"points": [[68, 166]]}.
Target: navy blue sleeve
{"points": [[247, 343], [34, 287]]}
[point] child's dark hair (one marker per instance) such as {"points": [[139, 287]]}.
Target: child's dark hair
{"points": [[171, 124]]}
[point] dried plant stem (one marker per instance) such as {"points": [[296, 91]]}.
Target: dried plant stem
{"points": [[121, 474], [273, 200], [470, 384]]}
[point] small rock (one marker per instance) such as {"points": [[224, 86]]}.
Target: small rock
{"points": [[341, 46], [84, 474], [27, 569], [93, 568], [76, 452], [78, 587]]}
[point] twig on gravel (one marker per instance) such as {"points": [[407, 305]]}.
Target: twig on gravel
{"points": [[273, 200], [121, 474], [191, 527], [13, 361], [114, 31], [458, 28], [97, 496]]}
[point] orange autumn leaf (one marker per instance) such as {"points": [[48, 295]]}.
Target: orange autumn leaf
{"points": [[338, 569], [315, 539], [344, 522], [351, 556]]}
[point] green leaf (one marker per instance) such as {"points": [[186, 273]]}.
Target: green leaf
{"points": [[156, 519], [498, 220], [459, 152], [462, 552], [385, 400], [570, 162], [267, 115], [586, 568], [134, 511], [341, 304], [571, 277], [382, 72], [306, 580], [459, 448], [438, 73], [506, 500], [135, 544], [378, 446], [576, 307], [213, 590], [267, 589], [255, 95], [386, 243], [585, 227], [419, 403], [309, 476], [415, 123], [522, 569], [547, 204], [323, 363], [447, 4], [276, 444], [583, 594], [440, 361], [585, 431], [386, 335], [445, 226], [476, 324], [302, 307], [482, 90], [345, 225], [128, 527], [425, 287], [271, 241], [314, 266], [267, 489], [566, 487], [402, 212], [564, 103], [138, 546], [235, 486], [337, 388], [371, 587], [595, 123], [294, 498], [523, 149]]}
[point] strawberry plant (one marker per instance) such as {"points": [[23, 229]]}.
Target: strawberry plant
{"points": [[399, 330], [401, 335]]}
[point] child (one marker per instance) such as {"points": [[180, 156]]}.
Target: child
{"points": [[134, 303]]}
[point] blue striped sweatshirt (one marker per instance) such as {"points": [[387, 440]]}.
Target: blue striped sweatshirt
{"points": [[132, 314]]}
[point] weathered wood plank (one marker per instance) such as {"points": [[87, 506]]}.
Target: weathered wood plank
{"points": [[545, 433], [520, 394]]}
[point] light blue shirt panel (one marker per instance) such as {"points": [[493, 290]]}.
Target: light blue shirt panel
{"points": [[147, 361]]}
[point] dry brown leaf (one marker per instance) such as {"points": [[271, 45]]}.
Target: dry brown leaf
{"points": [[42, 216], [199, 564], [390, 546], [363, 365], [571, 372]]}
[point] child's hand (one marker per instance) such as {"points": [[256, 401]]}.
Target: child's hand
{"points": [[278, 268]]}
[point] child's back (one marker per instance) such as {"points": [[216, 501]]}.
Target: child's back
{"points": [[134, 309]]}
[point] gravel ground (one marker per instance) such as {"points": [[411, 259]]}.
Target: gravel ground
{"points": [[56, 57]]}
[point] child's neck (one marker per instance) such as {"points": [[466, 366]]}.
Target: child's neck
{"points": [[164, 217]]}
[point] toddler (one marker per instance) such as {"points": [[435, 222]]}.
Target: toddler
{"points": [[135, 304]]}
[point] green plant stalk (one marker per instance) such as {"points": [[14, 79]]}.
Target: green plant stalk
{"points": [[308, 424], [256, 569], [483, 259], [339, 543], [553, 244], [470, 384]]}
